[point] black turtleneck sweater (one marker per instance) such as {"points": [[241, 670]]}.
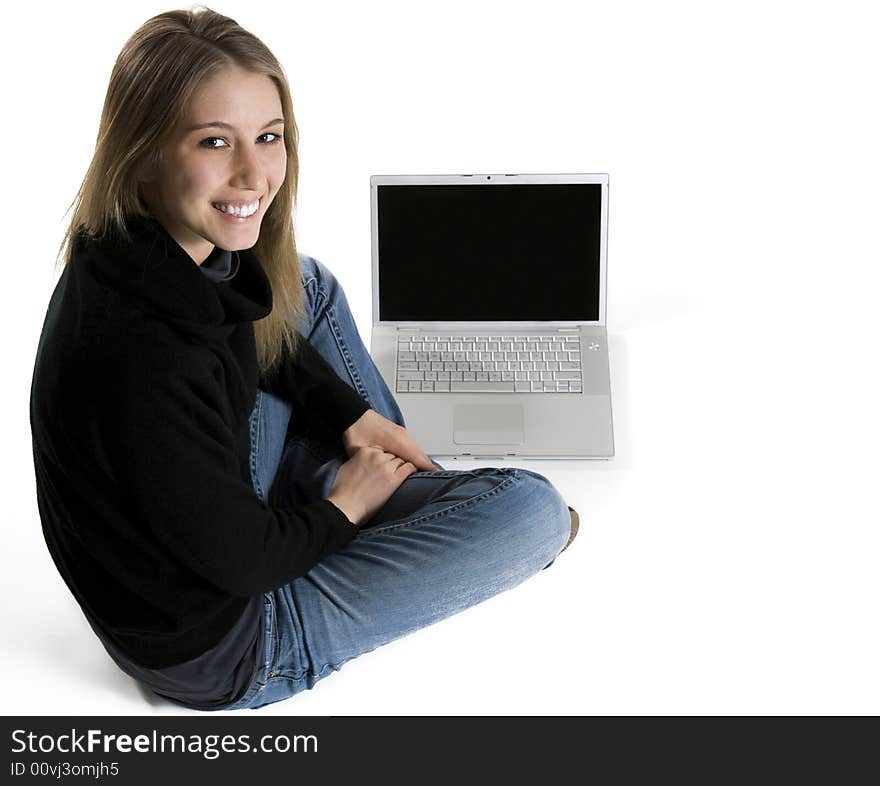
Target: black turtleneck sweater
{"points": [[221, 675], [145, 378]]}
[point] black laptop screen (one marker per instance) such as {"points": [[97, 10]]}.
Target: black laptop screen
{"points": [[472, 253]]}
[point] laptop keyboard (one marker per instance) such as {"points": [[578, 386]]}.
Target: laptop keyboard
{"points": [[488, 364]]}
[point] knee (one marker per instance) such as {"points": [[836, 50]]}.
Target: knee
{"points": [[542, 515], [308, 267], [311, 269], [320, 285]]}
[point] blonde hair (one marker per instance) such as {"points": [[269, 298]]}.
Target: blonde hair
{"points": [[155, 76]]}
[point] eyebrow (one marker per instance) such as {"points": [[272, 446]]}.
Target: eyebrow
{"points": [[221, 124]]}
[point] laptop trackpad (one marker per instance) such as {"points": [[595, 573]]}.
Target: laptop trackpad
{"points": [[482, 424]]}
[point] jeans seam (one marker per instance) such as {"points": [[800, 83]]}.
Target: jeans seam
{"points": [[255, 447], [272, 664], [346, 356], [311, 673], [330, 313], [299, 631], [306, 283], [368, 531]]}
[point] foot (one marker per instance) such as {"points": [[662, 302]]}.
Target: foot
{"points": [[575, 522]]}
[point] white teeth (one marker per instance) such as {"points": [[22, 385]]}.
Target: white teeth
{"points": [[247, 210]]}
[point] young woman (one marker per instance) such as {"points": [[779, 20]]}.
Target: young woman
{"points": [[224, 479]]}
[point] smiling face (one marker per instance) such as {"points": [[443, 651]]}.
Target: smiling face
{"points": [[240, 164]]}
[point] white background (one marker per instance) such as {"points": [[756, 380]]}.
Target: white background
{"points": [[727, 560]]}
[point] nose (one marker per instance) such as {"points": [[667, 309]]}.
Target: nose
{"points": [[248, 171]]}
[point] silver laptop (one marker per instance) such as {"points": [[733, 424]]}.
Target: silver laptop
{"points": [[489, 312]]}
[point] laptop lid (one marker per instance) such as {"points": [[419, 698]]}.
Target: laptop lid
{"points": [[487, 250]]}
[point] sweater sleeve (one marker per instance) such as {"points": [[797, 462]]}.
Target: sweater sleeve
{"points": [[308, 381], [174, 458]]}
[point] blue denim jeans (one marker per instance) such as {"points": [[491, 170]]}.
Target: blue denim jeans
{"points": [[443, 541]]}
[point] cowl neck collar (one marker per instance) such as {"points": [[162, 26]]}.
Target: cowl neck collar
{"points": [[158, 276]]}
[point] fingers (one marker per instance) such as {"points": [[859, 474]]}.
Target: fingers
{"points": [[401, 462], [406, 466], [418, 458], [421, 463]]}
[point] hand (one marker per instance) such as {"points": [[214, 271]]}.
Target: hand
{"points": [[373, 429], [366, 481]]}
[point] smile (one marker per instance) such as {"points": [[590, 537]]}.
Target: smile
{"points": [[238, 211]]}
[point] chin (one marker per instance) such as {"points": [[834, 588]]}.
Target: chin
{"points": [[236, 238]]}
